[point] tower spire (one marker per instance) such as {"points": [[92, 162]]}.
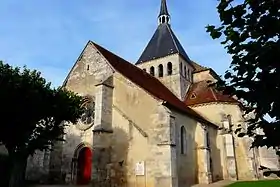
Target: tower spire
{"points": [[164, 16]]}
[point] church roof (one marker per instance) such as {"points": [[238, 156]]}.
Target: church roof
{"points": [[201, 93], [163, 43], [147, 82]]}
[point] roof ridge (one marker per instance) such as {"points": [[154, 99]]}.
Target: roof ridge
{"points": [[171, 34]]}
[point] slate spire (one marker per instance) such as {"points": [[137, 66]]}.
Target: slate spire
{"points": [[163, 8], [164, 42], [163, 16]]}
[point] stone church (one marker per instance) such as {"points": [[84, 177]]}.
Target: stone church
{"points": [[155, 123]]}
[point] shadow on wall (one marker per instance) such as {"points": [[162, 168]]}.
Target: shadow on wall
{"points": [[187, 169], [47, 168], [111, 164], [61, 164], [118, 168], [196, 167], [215, 158]]}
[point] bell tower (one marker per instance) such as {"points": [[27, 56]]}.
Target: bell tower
{"points": [[165, 58]]}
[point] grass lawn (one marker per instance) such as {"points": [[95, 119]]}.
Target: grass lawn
{"points": [[262, 183]]}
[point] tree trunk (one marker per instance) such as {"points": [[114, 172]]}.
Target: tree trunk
{"points": [[17, 170]]}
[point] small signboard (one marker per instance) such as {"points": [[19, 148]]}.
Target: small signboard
{"points": [[140, 168]]}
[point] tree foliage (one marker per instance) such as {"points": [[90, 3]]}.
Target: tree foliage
{"points": [[33, 114], [250, 31]]}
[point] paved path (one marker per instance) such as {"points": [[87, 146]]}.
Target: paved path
{"points": [[60, 186], [222, 183]]}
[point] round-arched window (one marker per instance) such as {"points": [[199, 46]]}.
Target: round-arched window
{"points": [[160, 70], [152, 71], [183, 140], [169, 68]]}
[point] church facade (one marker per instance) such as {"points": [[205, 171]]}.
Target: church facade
{"points": [[153, 124]]}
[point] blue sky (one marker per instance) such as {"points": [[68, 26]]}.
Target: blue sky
{"points": [[49, 35]]}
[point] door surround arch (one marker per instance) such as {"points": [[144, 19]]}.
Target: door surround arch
{"points": [[81, 163]]}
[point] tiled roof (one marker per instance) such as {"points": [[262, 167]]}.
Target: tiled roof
{"points": [[147, 82], [201, 92]]}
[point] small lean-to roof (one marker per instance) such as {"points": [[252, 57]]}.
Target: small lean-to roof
{"points": [[201, 93], [198, 68], [163, 43], [147, 82]]}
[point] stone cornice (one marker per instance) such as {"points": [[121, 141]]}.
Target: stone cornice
{"points": [[212, 103]]}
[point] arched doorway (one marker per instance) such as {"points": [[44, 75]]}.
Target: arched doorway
{"points": [[84, 166]]}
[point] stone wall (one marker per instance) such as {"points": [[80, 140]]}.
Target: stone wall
{"points": [[177, 82], [214, 112], [203, 75], [217, 155], [268, 158], [153, 132], [135, 120], [90, 70], [187, 163], [38, 167]]}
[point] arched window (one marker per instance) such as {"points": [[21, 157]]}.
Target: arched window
{"points": [[181, 68], [185, 71], [163, 19], [169, 68], [152, 71], [160, 70], [183, 140]]}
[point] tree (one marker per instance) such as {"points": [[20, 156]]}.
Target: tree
{"points": [[250, 33], [33, 115]]}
